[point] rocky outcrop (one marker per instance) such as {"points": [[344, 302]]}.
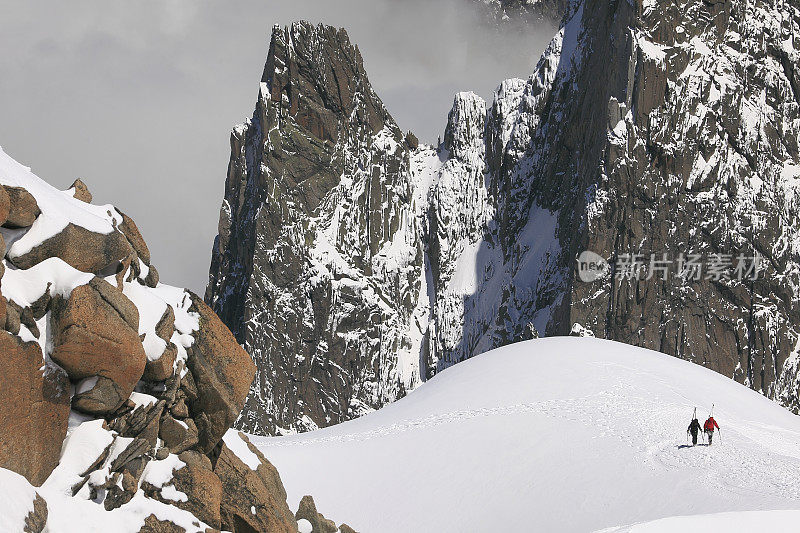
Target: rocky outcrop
{"points": [[5, 205], [308, 511], [646, 131], [153, 525], [81, 191], [160, 368], [131, 232], [23, 208], [96, 340], [203, 488], [255, 497], [35, 410], [118, 392], [309, 520], [85, 250], [222, 373], [178, 434], [36, 519]]}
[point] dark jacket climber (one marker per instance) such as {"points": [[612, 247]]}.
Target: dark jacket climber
{"points": [[708, 427], [694, 429]]}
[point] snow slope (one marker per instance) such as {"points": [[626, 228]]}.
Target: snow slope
{"points": [[556, 434], [735, 522]]}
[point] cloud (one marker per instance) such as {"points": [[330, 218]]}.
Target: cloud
{"points": [[138, 98]]}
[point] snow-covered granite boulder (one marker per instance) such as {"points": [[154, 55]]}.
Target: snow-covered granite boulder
{"points": [[117, 390]]}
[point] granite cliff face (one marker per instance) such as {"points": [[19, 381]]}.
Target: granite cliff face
{"points": [[701, 157], [317, 266], [647, 128]]}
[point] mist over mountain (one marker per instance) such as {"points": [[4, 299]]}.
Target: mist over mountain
{"points": [[148, 91]]}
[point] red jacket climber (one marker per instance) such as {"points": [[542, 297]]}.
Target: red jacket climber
{"points": [[708, 427]]}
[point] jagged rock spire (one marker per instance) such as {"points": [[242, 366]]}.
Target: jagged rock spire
{"points": [[317, 266]]}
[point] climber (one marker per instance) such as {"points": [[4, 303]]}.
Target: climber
{"points": [[694, 428], [709, 426]]}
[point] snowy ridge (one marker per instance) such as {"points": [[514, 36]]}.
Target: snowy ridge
{"points": [[734, 522], [571, 417]]}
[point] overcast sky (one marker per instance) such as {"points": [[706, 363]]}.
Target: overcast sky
{"points": [[138, 98]]}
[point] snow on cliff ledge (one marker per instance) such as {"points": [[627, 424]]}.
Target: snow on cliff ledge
{"points": [[556, 434]]}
